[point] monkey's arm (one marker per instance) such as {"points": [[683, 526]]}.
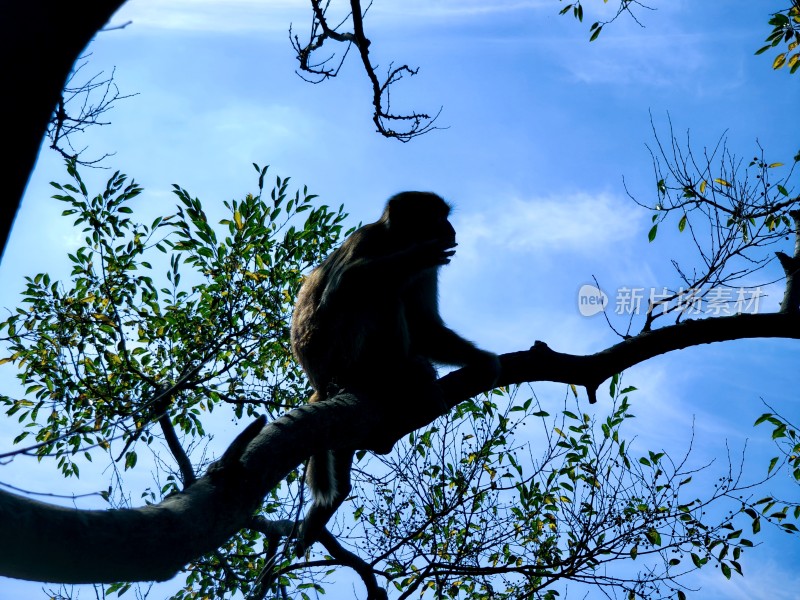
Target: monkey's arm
{"points": [[443, 345], [437, 342]]}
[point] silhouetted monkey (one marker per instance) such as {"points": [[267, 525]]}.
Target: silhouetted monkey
{"points": [[367, 321]]}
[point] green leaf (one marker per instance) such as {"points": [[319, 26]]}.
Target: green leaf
{"points": [[652, 234], [654, 537], [772, 464], [762, 418], [130, 460], [681, 224]]}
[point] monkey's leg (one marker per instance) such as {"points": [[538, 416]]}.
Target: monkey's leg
{"points": [[324, 506]]}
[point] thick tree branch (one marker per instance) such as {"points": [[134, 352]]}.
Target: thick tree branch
{"points": [[43, 542], [171, 437], [48, 543], [348, 559], [540, 363]]}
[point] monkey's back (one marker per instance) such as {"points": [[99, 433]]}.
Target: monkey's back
{"points": [[347, 333]]}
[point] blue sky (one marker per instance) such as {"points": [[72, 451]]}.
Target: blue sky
{"points": [[541, 128]]}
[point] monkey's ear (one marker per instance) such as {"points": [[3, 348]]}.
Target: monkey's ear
{"points": [[397, 211]]}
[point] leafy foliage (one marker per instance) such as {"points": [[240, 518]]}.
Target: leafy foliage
{"points": [[105, 355], [785, 30], [623, 7], [785, 27], [746, 208], [119, 357], [787, 441], [470, 509]]}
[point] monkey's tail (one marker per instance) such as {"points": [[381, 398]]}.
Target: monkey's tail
{"points": [[321, 470], [321, 478]]}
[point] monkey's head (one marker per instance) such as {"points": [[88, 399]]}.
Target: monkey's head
{"points": [[419, 217]]}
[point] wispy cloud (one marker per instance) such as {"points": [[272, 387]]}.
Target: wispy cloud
{"points": [[658, 60], [580, 223], [456, 8], [763, 580], [223, 16], [264, 15]]}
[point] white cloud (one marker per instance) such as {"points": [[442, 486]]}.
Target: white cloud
{"points": [[212, 15], [265, 15], [659, 60], [763, 580], [454, 8], [249, 130], [580, 222]]}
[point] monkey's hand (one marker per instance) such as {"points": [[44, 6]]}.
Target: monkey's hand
{"points": [[480, 373]]}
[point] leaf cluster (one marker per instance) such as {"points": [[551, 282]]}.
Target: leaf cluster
{"points": [[785, 30], [787, 441], [162, 322], [469, 509], [731, 210]]}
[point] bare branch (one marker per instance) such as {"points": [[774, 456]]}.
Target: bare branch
{"points": [[80, 106], [540, 363], [348, 559], [729, 209], [184, 464], [403, 127]]}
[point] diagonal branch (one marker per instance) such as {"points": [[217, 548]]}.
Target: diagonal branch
{"points": [[540, 363], [348, 559], [43, 542]]}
